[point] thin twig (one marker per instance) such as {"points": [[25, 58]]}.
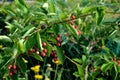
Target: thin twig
{"points": [[86, 72], [71, 60], [65, 21]]}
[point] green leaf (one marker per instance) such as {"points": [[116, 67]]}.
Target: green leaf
{"points": [[39, 42], [51, 6], [56, 29], [77, 60], [51, 14], [116, 68], [100, 15], [29, 43], [28, 32], [106, 66], [76, 74], [21, 64], [81, 71], [49, 49], [37, 57], [60, 54], [89, 9], [84, 58], [21, 5], [10, 12], [21, 46], [73, 31], [5, 38]]}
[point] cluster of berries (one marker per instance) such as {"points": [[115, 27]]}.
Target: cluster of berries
{"points": [[13, 70], [35, 50], [58, 39], [44, 51], [75, 26], [53, 54], [118, 61]]}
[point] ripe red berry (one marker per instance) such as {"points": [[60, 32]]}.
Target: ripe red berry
{"points": [[119, 65], [14, 67], [14, 71], [43, 27], [59, 35], [53, 54], [45, 50], [72, 17], [114, 59], [118, 61], [58, 39], [79, 32], [58, 44], [76, 27], [42, 54], [9, 67], [10, 74], [44, 44], [55, 59], [71, 22], [29, 51], [35, 50]]}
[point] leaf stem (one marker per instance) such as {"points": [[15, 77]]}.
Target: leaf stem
{"points": [[56, 72]]}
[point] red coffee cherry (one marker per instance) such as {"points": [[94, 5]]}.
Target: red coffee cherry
{"points": [[59, 35], [58, 39], [29, 51], [79, 32], [118, 61], [10, 74], [14, 67], [42, 54], [58, 44], [114, 59], [9, 67], [119, 65], [71, 22], [76, 27], [44, 44], [43, 27], [53, 54], [45, 50], [14, 71], [72, 17], [55, 59], [35, 49]]}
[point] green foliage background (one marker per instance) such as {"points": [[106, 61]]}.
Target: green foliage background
{"points": [[88, 56]]}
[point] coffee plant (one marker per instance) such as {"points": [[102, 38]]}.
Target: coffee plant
{"points": [[60, 40]]}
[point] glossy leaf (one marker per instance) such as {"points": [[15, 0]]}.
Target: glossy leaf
{"points": [[60, 54], [39, 42], [100, 15], [5, 38], [106, 66], [21, 46], [22, 65], [81, 71], [37, 57], [78, 60]]}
